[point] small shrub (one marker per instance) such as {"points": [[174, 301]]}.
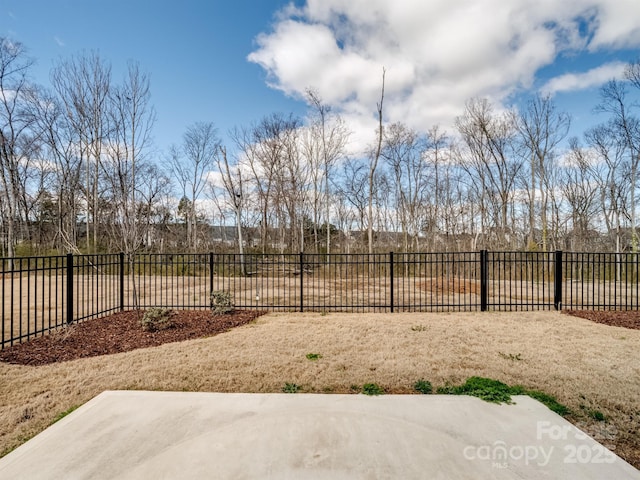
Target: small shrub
{"points": [[221, 302], [423, 386], [156, 319], [313, 356], [290, 388], [372, 389]]}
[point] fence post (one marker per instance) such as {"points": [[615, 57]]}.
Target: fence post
{"points": [[210, 273], [301, 268], [69, 288], [121, 281], [484, 281], [391, 278], [557, 283]]}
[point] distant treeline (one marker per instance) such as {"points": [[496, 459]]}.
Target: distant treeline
{"points": [[80, 173]]}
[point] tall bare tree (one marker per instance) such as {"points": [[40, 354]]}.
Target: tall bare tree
{"points": [[60, 149], [352, 188], [190, 164], [233, 184], [579, 192], [403, 151], [625, 128], [292, 187], [83, 84], [491, 163], [374, 163], [132, 118], [17, 138], [541, 128], [328, 137], [437, 169], [268, 147], [608, 173]]}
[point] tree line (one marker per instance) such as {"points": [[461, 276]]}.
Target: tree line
{"points": [[80, 173]]}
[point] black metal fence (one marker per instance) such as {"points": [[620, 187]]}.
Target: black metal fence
{"points": [[43, 293]]}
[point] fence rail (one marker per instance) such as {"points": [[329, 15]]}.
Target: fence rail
{"points": [[43, 293]]}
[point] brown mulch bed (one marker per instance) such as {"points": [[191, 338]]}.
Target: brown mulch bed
{"points": [[121, 332], [615, 318]]}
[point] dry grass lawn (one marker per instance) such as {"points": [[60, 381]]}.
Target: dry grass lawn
{"points": [[587, 366]]}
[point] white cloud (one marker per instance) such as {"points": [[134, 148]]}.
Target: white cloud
{"points": [[617, 24], [58, 41], [7, 95], [12, 48], [214, 178], [581, 81], [437, 54]]}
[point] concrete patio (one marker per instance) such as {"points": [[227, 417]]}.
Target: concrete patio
{"points": [[166, 435]]}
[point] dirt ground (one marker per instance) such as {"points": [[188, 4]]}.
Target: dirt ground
{"points": [[590, 366]]}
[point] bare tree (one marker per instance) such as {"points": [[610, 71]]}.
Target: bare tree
{"points": [[608, 174], [577, 188], [153, 192], [234, 186], [83, 85], [490, 162], [403, 151], [374, 164], [386, 219], [60, 149], [312, 153], [456, 204], [625, 128], [132, 118], [353, 189], [190, 165], [269, 148], [328, 138], [292, 188], [541, 128], [437, 171], [18, 139]]}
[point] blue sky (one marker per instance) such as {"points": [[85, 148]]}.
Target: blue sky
{"points": [[195, 52], [233, 62]]}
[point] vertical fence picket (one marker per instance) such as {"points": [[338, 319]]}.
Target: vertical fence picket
{"points": [[484, 281], [301, 274], [2, 307], [121, 281], [557, 284], [70, 289], [391, 281]]}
